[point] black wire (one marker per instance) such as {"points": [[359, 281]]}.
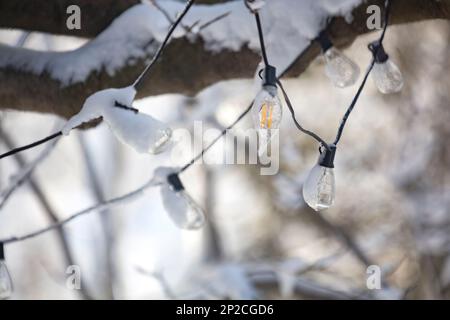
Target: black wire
{"points": [[158, 53], [137, 83], [224, 131], [261, 39], [31, 145], [297, 124], [241, 116], [363, 83]]}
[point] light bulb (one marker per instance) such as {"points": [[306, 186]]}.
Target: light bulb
{"points": [[182, 209], [6, 287], [140, 131], [385, 73], [387, 77], [342, 71], [319, 188], [267, 114]]}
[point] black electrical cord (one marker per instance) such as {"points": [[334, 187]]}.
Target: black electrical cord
{"points": [[139, 81], [261, 39], [297, 124], [369, 70], [136, 85], [31, 145]]}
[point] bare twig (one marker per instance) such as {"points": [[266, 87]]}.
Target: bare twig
{"points": [[106, 224], [99, 207], [41, 197], [159, 276], [26, 169]]}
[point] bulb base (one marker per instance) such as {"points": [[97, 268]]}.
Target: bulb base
{"points": [[175, 182], [324, 40], [327, 157], [270, 76], [379, 54]]}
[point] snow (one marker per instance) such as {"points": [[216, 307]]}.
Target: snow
{"points": [[140, 131], [127, 39]]}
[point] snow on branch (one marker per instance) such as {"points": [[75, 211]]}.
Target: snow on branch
{"points": [[58, 82]]}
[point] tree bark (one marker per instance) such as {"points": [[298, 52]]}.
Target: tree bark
{"points": [[186, 67]]}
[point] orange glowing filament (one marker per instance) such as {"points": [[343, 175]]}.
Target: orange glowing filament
{"points": [[266, 114]]}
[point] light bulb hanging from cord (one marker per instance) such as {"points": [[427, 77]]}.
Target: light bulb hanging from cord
{"points": [[6, 286], [385, 73], [181, 207], [142, 132], [342, 71], [319, 188], [267, 111], [184, 211]]}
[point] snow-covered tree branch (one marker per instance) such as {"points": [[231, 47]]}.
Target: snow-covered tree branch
{"points": [[126, 33]]}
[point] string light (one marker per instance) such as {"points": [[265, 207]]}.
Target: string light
{"points": [[267, 111], [386, 74], [340, 69], [6, 286], [319, 187], [182, 209], [159, 143]]}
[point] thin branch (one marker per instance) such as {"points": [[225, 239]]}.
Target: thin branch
{"points": [[104, 216], [99, 207], [24, 176], [26, 169], [159, 276]]}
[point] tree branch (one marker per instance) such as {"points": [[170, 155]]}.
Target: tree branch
{"points": [[186, 68]]}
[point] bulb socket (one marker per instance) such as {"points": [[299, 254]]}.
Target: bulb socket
{"points": [[327, 157], [379, 54], [2, 251], [324, 40], [270, 76], [175, 182]]}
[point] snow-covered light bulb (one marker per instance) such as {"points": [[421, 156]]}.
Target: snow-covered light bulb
{"points": [[342, 71], [140, 131], [6, 286], [267, 111], [181, 207], [385, 73], [319, 188]]}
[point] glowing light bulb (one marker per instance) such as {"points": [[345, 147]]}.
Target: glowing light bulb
{"points": [[267, 114], [342, 71], [319, 188], [385, 73], [6, 287], [182, 208]]}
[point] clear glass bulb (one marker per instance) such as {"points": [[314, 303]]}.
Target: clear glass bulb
{"points": [[194, 216], [387, 77], [319, 188], [6, 287], [342, 71], [267, 114], [182, 209], [140, 131]]}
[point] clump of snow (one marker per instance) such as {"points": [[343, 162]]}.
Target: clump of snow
{"points": [[289, 26], [140, 131], [255, 5]]}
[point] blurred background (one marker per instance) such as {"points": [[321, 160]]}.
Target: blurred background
{"points": [[261, 240]]}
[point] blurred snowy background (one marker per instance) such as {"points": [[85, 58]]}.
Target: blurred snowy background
{"points": [[261, 240]]}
